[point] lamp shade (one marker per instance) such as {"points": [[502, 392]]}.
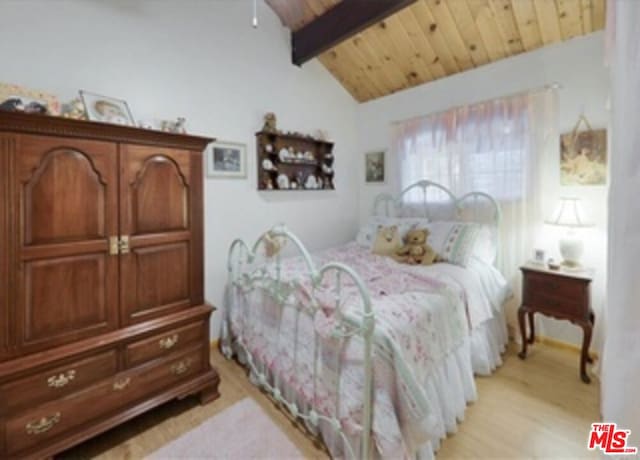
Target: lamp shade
{"points": [[569, 213]]}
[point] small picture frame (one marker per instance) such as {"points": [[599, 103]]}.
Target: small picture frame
{"points": [[227, 160], [539, 256], [375, 168], [107, 109]]}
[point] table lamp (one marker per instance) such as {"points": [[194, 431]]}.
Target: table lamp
{"points": [[569, 214]]}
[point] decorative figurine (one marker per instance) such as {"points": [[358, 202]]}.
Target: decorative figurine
{"points": [[270, 123], [74, 109], [176, 127]]}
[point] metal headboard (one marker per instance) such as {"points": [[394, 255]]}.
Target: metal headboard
{"points": [[437, 203]]}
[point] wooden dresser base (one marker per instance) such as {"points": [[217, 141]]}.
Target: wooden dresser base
{"points": [[205, 385]]}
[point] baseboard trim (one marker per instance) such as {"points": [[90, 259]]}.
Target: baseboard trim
{"points": [[564, 345], [539, 339]]}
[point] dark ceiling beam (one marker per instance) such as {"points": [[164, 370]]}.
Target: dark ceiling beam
{"points": [[338, 24]]}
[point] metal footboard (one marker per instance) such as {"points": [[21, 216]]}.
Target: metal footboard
{"points": [[259, 268]]}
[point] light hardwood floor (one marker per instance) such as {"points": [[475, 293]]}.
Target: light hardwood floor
{"points": [[536, 408]]}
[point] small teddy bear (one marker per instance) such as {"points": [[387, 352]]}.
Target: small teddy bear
{"points": [[270, 123], [416, 250]]}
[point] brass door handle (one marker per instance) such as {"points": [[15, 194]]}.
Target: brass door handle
{"points": [[119, 245], [43, 425], [120, 385], [169, 342], [181, 367], [124, 245], [114, 245], [59, 381]]}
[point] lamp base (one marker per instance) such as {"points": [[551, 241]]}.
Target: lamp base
{"points": [[571, 249]]}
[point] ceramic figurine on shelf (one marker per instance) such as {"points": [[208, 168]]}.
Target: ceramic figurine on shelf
{"points": [[176, 127], [270, 123], [74, 109], [269, 184], [322, 135], [267, 165]]}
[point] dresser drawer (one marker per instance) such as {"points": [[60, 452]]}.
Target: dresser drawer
{"points": [[55, 418], [164, 343], [59, 381], [560, 287]]}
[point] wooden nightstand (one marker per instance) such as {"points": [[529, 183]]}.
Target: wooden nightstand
{"points": [[561, 295]]}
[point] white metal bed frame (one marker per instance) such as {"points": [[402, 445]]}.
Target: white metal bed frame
{"points": [[430, 200]]}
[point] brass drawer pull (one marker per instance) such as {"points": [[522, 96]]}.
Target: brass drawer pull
{"points": [[43, 425], [181, 367], [59, 381], [168, 342], [120, 385]]}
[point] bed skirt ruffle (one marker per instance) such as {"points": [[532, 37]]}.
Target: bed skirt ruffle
{"points": [[488, 343], [449, 388]]}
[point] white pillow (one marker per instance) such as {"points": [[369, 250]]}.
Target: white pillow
{"points": [[367, 233], [486, 248], [456, 242]]}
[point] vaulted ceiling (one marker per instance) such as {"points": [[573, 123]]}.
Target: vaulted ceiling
{"points": [[432, 39]]}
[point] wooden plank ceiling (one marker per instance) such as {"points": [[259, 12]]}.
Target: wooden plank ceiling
{"points": [[432, 39]]}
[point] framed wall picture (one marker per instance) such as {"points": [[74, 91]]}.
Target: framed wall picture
{"points": [[107, 109], [18, 98], [583, 156], [375, 168], [227, 159]]}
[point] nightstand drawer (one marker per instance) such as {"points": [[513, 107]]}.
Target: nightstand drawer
{"points": [[556, 305], [560, 287]]}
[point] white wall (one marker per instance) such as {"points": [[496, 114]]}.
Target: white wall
{"points": [[201, 60], [578, 66]]}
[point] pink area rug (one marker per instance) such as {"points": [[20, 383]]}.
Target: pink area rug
{"points": [[242, 431]]}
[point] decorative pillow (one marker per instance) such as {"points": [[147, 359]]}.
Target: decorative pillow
{"points": [[486, 248], [367, 233], [387, 241], [460, 243]]}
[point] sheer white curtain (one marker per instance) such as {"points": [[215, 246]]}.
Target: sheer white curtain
{"points": [[494, 147], [621, 361]]}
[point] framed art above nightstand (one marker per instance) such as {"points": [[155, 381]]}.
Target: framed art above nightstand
{"points": [[561, 295]]}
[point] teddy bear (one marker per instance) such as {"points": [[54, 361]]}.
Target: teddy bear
{"points": [[416, 250], [387, 241], [270, 123]]}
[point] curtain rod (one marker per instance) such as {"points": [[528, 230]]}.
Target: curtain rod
{"points": [[539, 89]]}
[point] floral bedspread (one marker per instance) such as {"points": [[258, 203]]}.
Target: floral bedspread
{"points": [[419, 320]]}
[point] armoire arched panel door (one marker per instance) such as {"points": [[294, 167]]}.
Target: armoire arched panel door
{"points": [[65, 211], [160, 218]]}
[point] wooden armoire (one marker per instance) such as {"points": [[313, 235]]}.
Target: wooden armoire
{"points": [[102, 312]]}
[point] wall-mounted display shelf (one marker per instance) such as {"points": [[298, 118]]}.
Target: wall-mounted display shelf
{"points": [[289, 161]]}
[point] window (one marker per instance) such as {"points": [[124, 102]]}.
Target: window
{"points": [[482, 148]]}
